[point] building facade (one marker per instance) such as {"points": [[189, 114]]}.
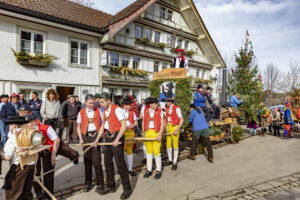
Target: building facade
{"points": [[146, 36], [91, 46]]}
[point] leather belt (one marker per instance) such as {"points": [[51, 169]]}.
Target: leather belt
{"points": [[109, 135]]}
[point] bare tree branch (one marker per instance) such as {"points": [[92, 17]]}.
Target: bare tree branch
{"points": [[271, 78]]}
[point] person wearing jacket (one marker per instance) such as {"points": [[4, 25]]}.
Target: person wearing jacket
{"points": [[234, 100], [199, 101], [70, 114], [35, 104], [200, 133], [288, 121], [8, 110], [4, 100], [22, 101], [51, 110]]}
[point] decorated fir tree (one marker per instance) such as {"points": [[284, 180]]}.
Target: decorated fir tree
{"points": [[245, 80]]}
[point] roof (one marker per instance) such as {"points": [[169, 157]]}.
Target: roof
{"points": [[128, 10], [61, 11]]}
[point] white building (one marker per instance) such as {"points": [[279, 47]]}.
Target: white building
{"points": [[169, 23], [58, 28], [89, 44]]}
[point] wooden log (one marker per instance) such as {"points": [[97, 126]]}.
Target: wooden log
{"points": [[99, 144], [36, 179]]}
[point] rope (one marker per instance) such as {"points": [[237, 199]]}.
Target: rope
{"points": [[66, 163]]}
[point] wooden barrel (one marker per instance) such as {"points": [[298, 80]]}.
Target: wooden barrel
{"points": [[27, 136]]}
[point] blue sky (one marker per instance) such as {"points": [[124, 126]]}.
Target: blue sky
{"points": [[273, 25]]}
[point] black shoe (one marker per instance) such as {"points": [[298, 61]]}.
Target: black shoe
{"points": [[101, 189], [148, 174], [126, 194], [191, 157], [111, 189], [174, 167], [132, 173], [76, 161], [211, 160], [157, 175], [39, 196], [87, 188], [144, 161]]}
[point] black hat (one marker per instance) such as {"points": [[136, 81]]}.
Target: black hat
{"points": [[25, 108], [4, 96], [170, 99], [152, 100], [89, 96], [199, 86], [147, 100], [127, 101], [16, 120], [105, 95], [209, 88], [29, 118], [97, 95]]}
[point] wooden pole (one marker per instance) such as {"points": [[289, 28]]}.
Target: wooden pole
{"points": [[99, 144], [36, 179]]}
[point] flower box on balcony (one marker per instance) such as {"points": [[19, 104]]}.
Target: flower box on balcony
{"points": [[33, 60]]}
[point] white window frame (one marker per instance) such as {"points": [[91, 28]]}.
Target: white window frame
{"points": [[139, 61], [142, 34], [146, 35], [109, 59], [186, 45], [32, 39], [79, 50], [164, 17], [168, 15], [158, 37], [123, 56], [156, 61]]}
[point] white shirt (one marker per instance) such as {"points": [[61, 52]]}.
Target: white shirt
{"points": [[178, 112], [51, 133], [177, 64], [126, 113], [90, 114], [119, 113], [10, 149]]}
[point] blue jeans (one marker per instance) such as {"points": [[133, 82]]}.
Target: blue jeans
{"points": [[2, 131]]}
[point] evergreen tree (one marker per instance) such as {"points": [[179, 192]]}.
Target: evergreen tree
{"points": [[244, 79]]}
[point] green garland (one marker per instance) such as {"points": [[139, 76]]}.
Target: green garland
{"points": [[183, 94]]}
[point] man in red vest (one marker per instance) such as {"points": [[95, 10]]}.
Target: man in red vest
{"points": [[174, 121], [153, 126], [113, 129], [131, 123], [89, 123]]}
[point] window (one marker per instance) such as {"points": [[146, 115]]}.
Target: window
{"points": [[164, 65], [171, 41], [27, 93], [79, 53], [157, 36], [203, 74], [148, 34], [186, 45], [197, 73], [138, 32], [125, 61], [114, 59], [162, 12], [136, 61], [125, 92], [32, 42], [170, 14], [156, 66], [135, 93], [179, 43]]}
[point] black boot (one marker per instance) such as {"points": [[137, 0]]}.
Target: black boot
{"points": [[148, 174], [87, 188], [132, 173], [174, 167], [101, 190], [126, 194], [157, 175]]}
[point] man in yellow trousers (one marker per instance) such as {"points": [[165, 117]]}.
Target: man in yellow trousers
{"points": [[131, 123], [153, 126], [174, 121]]}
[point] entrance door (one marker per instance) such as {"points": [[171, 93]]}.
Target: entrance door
{"points": [[64, 92]]}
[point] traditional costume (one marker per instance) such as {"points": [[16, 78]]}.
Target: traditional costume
{"points": [[89, 121], [44, 159], [131, 120], [152, 121], [18, 182], [173, 119], [112, 121]]}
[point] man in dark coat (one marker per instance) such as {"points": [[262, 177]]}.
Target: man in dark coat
{"points": [[35, 104], [9, 109]]}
